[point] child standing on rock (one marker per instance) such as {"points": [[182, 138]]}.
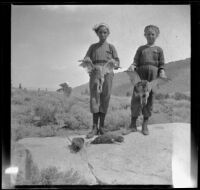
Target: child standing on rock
{"points": [[100, 53], [149, 64]]}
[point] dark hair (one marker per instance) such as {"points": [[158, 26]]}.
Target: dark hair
{"points": [[96, 27], [152, 27]]}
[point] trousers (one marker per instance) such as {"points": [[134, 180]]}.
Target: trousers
{"points": [[149, 73], [100, 102]]}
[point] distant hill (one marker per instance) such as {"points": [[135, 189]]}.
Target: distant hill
{"points": [[178, 71]]}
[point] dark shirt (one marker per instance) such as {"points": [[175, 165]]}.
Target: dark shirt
{"points": [[149, 55], [101, 53]]}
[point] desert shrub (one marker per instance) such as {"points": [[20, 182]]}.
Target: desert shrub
{"points": [[20, 132], [180, 96], [77, 118], [117, 119], [27, 99], [183, 104], [46, 113], [73, 177], [128, 94], [65, 104], [46, 131], [17, 100], [160, 96], [19, 97], [178, 111], [167, 96], [51, 176], [71, 122], [181, 114], [82, 118], [119, 104], [21, 114]]}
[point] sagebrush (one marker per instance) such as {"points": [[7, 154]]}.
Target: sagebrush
{"points": [[45, 114]]}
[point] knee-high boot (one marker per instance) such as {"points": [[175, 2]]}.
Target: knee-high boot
{"points": [[94, 127], [102, 129], [132, 126], [145, 130]]}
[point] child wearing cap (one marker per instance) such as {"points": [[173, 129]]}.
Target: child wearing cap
{"points": [[149, 64], [100, 53]]}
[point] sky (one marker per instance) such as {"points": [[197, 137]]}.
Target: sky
{"points": [[48, 40]]}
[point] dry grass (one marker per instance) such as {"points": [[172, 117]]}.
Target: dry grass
{"points": [[51, 176], [41, 114]]}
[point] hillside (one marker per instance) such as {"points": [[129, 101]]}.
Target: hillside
{"points": [[178, 71]]}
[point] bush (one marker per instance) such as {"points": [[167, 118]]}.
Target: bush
{"points": [[17, 101], [46, 131], [178, 111], [160, 96], [51, 176], [181, 114], [80, 117], [128, 94], [117, 119], [27, 99], [180, 96], [45, 113], [20, 132], [119, 104]]}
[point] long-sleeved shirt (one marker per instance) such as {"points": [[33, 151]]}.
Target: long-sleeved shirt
{"points": [[149, 55], [101, 53]]}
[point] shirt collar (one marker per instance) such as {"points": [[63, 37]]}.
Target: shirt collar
{"points": [[150, 45]]}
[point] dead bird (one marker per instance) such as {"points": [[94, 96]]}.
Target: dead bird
{"points": [[108, 138], [77, 144]]}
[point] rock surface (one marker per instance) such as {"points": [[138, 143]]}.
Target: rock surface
{"points": [[138, 160]]}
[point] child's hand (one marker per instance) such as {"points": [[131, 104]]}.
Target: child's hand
{"points": [[131, 68], [162, 74], [112, 61], [87, 59]]}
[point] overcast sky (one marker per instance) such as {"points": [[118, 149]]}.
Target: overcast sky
{"points": [[48, 40]]}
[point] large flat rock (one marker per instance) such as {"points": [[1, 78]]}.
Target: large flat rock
{"points": [[138, 160]]}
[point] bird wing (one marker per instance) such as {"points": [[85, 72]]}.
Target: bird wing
{"points": [[108, 67], [155, 84], [133, 76], [88, 65]]}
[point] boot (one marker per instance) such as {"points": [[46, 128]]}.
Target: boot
{"points": [[102, 129], [94, 131], [145, 130], [132, 127]]}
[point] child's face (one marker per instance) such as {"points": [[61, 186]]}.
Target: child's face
{"points": [[102, 33], [151, 37]]}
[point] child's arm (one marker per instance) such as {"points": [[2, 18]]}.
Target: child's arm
{"points": [[115, 57], [134, 65], [161, 68], [162, 73], [88, 54]]}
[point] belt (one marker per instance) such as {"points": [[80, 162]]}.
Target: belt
{"points": [[148, 63], [100, 62]]}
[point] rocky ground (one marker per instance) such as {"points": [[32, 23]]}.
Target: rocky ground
{"points": [[138, 160]]}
